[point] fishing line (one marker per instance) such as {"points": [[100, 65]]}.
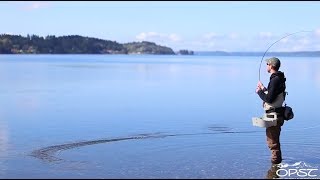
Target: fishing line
{"points": [[274, 44]]}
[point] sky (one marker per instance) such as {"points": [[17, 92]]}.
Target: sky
{"points": [[192, 25]]}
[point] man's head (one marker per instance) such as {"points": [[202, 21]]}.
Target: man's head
{"points": [[273, 63]]}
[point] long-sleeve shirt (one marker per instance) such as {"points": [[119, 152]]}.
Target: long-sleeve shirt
{"points": [[275, 87]]}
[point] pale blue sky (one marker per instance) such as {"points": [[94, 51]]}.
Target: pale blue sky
{"points": [[229, 26]]}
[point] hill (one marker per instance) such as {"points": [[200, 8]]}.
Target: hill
{"points": [[74, 44], [145, 47]]}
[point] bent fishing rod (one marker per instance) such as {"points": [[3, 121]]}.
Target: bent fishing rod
{"points": [[274, 44]]}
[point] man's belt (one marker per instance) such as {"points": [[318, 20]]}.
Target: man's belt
{"points": [[277, 110]]}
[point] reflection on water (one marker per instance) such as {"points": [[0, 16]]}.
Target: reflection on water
{"points": [[317, 79], [100, 116], [272, 172], [4, 141]]}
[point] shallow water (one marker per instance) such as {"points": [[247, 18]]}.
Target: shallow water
{"points": [[118, 116]]}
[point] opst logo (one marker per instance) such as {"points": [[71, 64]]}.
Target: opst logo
{"points": [[300, 170]]}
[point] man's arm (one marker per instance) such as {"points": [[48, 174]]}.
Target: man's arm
{"points": [[271, 96]]}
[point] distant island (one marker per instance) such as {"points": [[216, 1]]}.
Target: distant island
{"points": [[75, 44], [185, 52], [146, 47]]}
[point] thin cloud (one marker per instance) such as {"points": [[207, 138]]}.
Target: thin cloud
{"points": [[317, 33], [284, 40], [30, 5], [215, 36], [233, 36], [234, 41], [218, 42], [174, 37], [210, 36], [305, 43], [265, 35], [154, 36], [37, 5]]}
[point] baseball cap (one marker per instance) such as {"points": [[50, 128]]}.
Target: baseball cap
{"points": [[273, 62]]}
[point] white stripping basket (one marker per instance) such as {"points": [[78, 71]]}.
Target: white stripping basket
{"points": [[264, 121]]}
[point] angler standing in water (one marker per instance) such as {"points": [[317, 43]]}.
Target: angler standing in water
{"points": [[273, 97]]}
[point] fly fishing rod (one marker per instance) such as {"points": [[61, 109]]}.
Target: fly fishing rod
{"points": [[275, 43]]}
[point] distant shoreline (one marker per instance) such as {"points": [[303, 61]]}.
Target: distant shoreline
{"points": [[75, 44], [284, 54], [195, 54], [200, 53]]}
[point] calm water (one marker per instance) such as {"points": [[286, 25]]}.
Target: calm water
{"points": [[117, 116]]}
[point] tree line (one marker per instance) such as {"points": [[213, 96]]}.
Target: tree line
{"points": [[74, 44]]}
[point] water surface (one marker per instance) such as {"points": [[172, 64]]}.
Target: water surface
{"points": [[148, 116]]}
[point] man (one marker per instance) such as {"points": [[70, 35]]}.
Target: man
{"points": [[273, 97]]}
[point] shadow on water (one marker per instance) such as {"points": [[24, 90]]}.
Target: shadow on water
{"points": [[48, 153]]}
